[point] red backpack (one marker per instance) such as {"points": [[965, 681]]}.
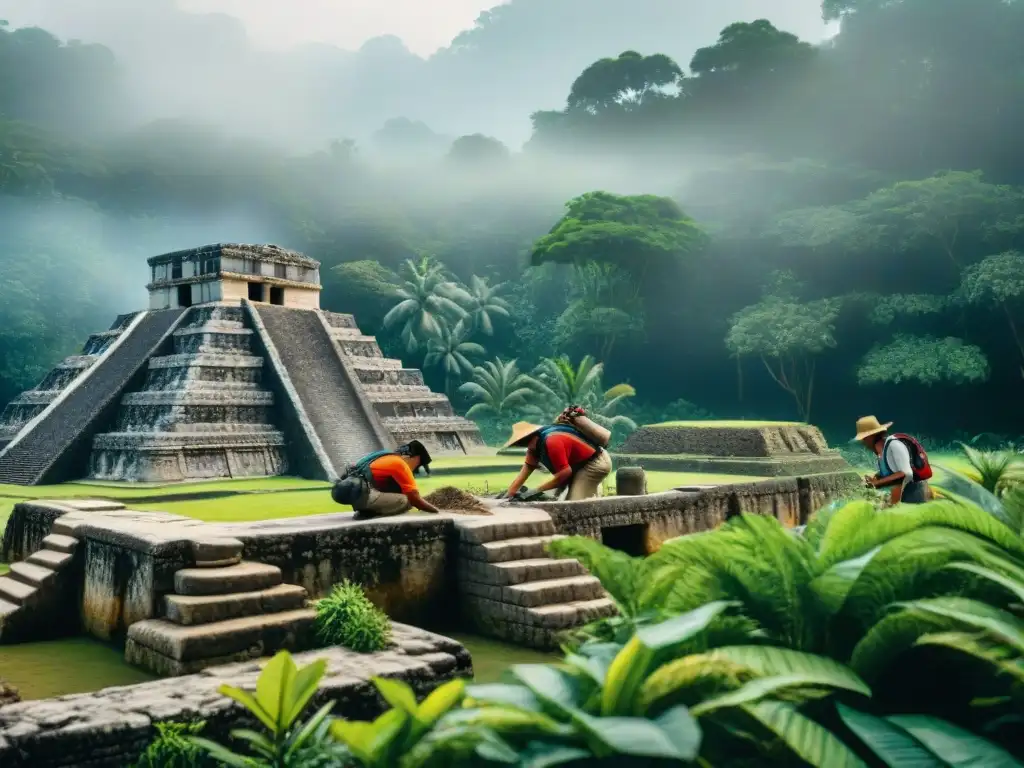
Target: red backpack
{"points": [[918, 456]]}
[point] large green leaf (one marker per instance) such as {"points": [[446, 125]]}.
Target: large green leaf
{"points": [[303, 687], [1001, 656], [397, 693], [637, 736], [756, 690], [504, 693], [553, 686], [769, 661], [959, 748], [893, 745], [809, 740], [834, 585], [973, 613], [272, 687], [1013, 586], [634, 662]]}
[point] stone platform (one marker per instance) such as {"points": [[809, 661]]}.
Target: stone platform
{"points": [[112, 727], [761, 449]]}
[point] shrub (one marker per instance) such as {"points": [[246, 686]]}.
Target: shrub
{"points": [[347, 617], [172, 747]]}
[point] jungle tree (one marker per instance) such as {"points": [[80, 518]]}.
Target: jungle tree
{"points": [[787, 335]]}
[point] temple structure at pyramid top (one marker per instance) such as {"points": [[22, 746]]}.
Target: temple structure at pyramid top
{"points": [[229, 272], [233, 371]]}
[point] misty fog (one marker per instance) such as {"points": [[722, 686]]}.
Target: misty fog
{"points": [[129, 129]]}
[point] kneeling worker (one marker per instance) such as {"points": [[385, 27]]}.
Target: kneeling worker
{"points": [[382, 484], [572, 459]]}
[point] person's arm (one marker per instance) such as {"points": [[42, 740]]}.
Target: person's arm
{"points": [[520, 480], [559, 479], [407, 485], [885, 482], [897, 458], [420, 503]]}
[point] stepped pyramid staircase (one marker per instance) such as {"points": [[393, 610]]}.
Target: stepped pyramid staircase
{"points": [[407, 407], [35, 590], [202, 412], [514, 590], [30, 404], [52, 445], [224, 610]]}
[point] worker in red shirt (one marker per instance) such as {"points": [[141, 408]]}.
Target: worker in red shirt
{"points": [[573, 460]]}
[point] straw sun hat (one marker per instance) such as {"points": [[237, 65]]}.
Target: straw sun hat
{"points": [[521, 432], [868, 426]]}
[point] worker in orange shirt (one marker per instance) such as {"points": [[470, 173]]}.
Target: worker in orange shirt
{"points": [[576, 463], [383, 484]]}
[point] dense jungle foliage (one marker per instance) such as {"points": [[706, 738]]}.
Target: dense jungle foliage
{"points": [[771, 229], [870, 637]]}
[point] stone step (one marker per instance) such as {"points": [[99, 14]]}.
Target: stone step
{"points": [[556, 617], [58, 543], [6, 609], [190, 610], [243, 577], [203, 641], [519, 571], [575, 614], [526, 548], [572, 589], [31, 574], [520, 524], [50, 559], [14, 591]]}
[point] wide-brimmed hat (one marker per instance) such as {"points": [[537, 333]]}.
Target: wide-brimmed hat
{"points": [[521, 432], [416, 448], [868, 426]]}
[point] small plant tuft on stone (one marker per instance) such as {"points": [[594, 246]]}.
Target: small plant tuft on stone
{"points": [[347, 617], [172, 747]]}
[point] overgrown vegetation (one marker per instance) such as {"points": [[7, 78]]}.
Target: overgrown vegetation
{"points": [[173, 747], [347, 617], [747, 154], [757, 645]]}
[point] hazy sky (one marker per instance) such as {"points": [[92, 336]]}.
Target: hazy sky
{"points": [[424, 25]]}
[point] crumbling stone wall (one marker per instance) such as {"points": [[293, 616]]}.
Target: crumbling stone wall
{"points": [[754, 441], [112, 727], [406, 565], [664, 516]]}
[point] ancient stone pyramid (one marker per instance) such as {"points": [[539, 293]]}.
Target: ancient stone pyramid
{"points": [[216, 381]]}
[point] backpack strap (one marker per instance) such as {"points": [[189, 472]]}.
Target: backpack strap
{"points": [[362, 467], [545, 432]]}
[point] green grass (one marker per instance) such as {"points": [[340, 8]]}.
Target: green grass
{"points": [[284, 497]]}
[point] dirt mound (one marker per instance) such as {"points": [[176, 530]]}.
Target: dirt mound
{"points": [[8, 694], [452, 499]]}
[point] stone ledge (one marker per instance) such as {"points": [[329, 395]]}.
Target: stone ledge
{"points": [[113, 726]]}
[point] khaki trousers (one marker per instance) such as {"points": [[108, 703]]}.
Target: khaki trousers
{"points": [[379, 504], [586, 483]]}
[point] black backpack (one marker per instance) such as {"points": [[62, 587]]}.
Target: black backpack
{"points": [[357, 480]]}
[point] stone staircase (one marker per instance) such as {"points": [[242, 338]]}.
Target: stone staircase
{"points": [[33, 592], [54, 447], [31, 403], [345, 425], [202, 412], [513, 590], [224, 610], [406, 406]]}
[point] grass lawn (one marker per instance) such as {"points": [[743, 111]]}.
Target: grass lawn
{"points": [[281, 497]]}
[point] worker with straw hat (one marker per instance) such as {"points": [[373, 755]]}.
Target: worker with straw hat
{"points": [[902, 462], [574, 460]]}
